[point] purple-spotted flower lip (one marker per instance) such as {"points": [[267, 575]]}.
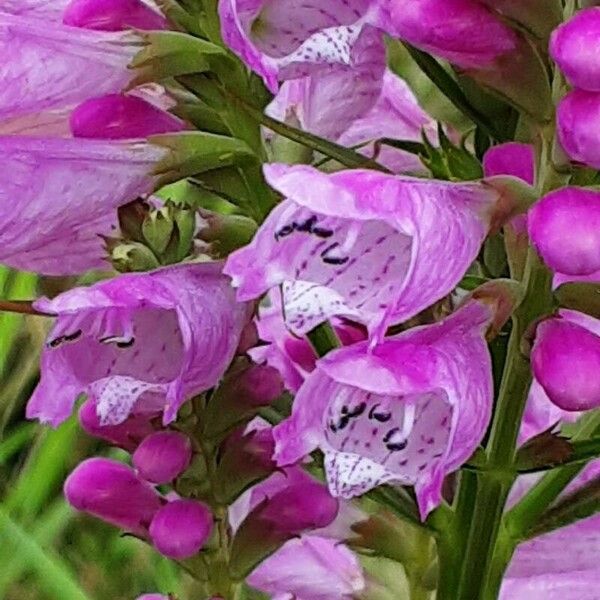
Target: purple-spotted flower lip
{"points": [[147, 341], [410, 410], [374, 248]]}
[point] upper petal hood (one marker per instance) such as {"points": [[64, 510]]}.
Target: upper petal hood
{"points": [[61, 194], [410, 410], [45, 68], [375, 248], [143, 340]]}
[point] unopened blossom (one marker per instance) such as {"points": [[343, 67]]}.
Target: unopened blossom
{"points": [[410, 410], [127, 435], [464, 32], [114, 493], [292, 356], [310, 567], [62, 195], [113, 15], [355, 105], [511, 158], [163, 456], [180, 528], [138, 342], [575, 47], [564, 227], [374, 248], [152, 597], [120, 116], [62, 65], [566, 360], [578, 122]]}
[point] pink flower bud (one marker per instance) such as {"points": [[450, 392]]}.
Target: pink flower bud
{"points": [[301, 506], [260, 385], [575, 45], [126, 435], [179, 529], [112, 492], [117, 116], [578, 122], [163, 456], [512, 158], [564, 227], [153, 597], [112, 15], [566, 362]]}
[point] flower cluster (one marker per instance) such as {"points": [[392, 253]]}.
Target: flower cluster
{"points": [[301, 343]]}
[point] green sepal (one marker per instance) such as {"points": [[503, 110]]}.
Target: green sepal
{"points": [[581, 296]]}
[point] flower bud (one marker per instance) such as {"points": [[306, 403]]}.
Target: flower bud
{"points": [[132, 258], [512, 158], [578, 126], [153, 597], [119, 116], [163, 456], [126, 435], [179, 529], [112, 492], [575, 45], [112, 15], [226, 232], [564, 227], [566, 362]]}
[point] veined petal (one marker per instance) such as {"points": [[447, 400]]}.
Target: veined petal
{"points": [[410, 410], [45, 9], [375, 248], [45, 68], [60, 196], [290, 38], [577, 585], [143, 340]]}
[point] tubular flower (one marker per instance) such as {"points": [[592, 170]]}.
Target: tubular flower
{"points": [[374, 248], [575, 48], [62, 65], [409, 411], [62, 194], [284, 39], [310, 567], [143, 340], [511, 158], [113, 492], [566, 360], [564, 226], [328, 104]]}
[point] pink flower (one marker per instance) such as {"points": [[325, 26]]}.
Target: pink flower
{"points": [[574, 46], [143, 341], [578, 120], [163, 456], [511, 158], [374, 248], [113, 492], [180, 528], [409, 411], [566, 360], [564, 227]]}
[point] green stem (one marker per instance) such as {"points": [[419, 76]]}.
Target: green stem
{"points": [[323, 339]]}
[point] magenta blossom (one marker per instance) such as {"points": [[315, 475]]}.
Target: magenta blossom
{"points": [[564, 227], [180, 528], [578, 124], [462, 31], [62, 65], [62, 194], [113, 15], [292, 356], [311, 568], [113, 492], [143, 341], [119, 116], [566, 360], [409, 411], [575, 46], [163, 456], [374, 248], [329, 104], [511, 158]]}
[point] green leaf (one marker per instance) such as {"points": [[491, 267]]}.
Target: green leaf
{"points": [[196, 152], [581, 296]]}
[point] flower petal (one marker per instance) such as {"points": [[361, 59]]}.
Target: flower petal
{"points": [[371, 247]]}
